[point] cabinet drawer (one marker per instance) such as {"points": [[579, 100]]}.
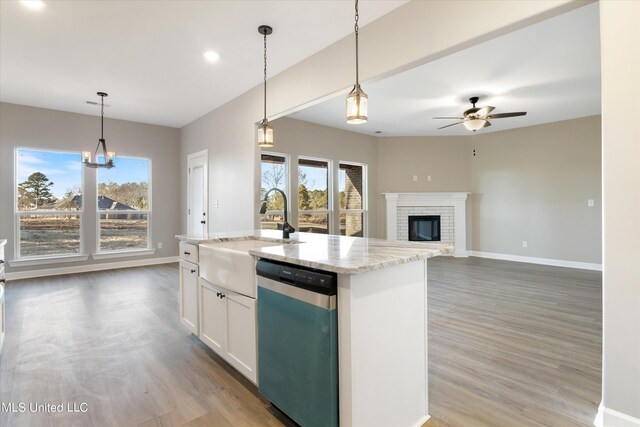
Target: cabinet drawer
{"points": [[189, 252]]}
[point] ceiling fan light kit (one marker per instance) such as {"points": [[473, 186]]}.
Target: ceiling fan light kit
{"points": [[476, 118]]}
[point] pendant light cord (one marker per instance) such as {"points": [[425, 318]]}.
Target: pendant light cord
{"points": [[356, 29], [265, 75], [102, 118]]}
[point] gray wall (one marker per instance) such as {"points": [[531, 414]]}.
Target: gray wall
{"points": [[529, 184], [446, 159], [533, 184], [299, 138], [22, 126]]}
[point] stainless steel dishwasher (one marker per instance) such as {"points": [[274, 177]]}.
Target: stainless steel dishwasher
{"points": [[298, 342]]}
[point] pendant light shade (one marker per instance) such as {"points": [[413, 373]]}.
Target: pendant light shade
{"points": [[265, 130], [357, 106], [265, 134], [102, 145], [357, 100]]}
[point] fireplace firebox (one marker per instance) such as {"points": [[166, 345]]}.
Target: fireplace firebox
{"points": [[424, 228]]}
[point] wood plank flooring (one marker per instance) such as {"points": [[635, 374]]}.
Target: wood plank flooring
{"points": [[513, 344], [510, 345]]}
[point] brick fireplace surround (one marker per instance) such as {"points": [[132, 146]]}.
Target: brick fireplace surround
{"points": [[450, 206]]}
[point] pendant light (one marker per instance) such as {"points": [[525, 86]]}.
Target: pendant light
{"points": [[265, 131], [107, 155], [357, 99]]}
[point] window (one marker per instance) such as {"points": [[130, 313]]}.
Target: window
{"points": [[352, 187], [48, 203], [314, 197], [124, 205], [274, 175]]}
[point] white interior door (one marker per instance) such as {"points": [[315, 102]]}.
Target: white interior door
{"points": [[198, 189]]}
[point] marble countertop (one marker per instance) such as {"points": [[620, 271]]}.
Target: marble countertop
{"points": [[339, 254]]}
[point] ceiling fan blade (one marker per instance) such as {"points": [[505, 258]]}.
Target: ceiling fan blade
{"points": [[487, 123], [484, 111], [450, 118], [452, 124], [503, 115]]}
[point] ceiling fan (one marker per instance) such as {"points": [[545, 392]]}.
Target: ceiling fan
{"points": [[477, 118]]}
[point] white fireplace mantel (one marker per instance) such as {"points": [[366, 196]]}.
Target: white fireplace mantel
{"points": [[457, 200]]}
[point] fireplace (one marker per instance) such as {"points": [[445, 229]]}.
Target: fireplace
{"points": [[424, 228]]}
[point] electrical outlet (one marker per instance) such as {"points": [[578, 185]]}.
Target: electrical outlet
{"points": [[428, 177], [524, 243], [590, 203], [159, 245], [415, 178]]}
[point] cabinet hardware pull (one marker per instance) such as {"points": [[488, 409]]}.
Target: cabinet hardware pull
{"points": [[3, 280], [193, 271], [222, 295], [218, 294], [203, 222], [187, 253]]}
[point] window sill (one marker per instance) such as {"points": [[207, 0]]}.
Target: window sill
{"points": [[24, 262], [124, 253]]}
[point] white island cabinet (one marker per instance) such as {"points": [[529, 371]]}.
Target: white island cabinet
{"points": [[381, 317], [228, 327], [189, 271]]}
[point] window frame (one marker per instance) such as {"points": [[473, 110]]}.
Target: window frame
{"points": [[330, 208], [102, 254], [365, 196], [287, 181], [17, 213]]}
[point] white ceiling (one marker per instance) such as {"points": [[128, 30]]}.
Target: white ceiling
{"points": [[551, 70], [148, 55]]}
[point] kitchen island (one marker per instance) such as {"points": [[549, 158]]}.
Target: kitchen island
{"points": [[381, 317]]}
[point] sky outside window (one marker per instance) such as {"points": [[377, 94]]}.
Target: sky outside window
{"points": [[63, 169]]}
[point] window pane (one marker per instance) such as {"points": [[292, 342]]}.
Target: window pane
{"points": [[120, 231], [351, 186], [48, 180], [313, 185], [274, 175], [313, 223], [42, 235], [125, 187], [351, 224]]}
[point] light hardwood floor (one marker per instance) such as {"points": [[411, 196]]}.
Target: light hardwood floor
{"points": [[509, 345]]}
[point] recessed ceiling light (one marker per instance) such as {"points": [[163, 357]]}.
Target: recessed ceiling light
{"points": [[33, 4], [211, 56]]}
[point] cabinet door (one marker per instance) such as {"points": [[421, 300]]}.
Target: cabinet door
{"points": [[189, 296], [241, 334], [213, 317]]}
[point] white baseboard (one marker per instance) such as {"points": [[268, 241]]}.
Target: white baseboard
{"points": [[422, 421], [609, 418], [543, 261], [89, 268]]}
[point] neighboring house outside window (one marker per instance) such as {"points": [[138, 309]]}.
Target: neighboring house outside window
{"points": [[48, 217], [124, 205], [353, 203]]}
